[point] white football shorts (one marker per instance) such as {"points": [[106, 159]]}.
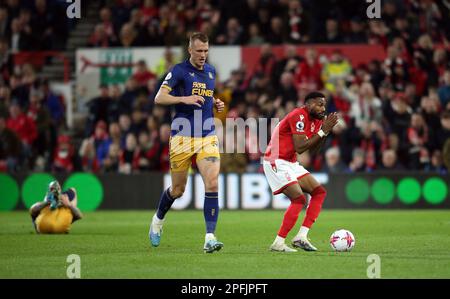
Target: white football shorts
{"points": [[283, 174]]}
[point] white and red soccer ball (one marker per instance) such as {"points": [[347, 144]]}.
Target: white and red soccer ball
{"points": [[342, 240]]}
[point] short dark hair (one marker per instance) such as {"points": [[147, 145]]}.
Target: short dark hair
{"points": [[200, 36], [313, 95]]}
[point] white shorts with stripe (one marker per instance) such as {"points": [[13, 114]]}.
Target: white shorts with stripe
{"points": [[281, 174]]}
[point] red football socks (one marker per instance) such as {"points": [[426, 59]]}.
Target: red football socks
{"points": [[291, 215], [315, 205]]}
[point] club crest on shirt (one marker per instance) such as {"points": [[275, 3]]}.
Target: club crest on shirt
{"points": [[300, 126], [169, 75], [192, 74]]}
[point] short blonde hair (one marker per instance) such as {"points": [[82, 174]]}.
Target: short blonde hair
{"points": [[198, 35]]}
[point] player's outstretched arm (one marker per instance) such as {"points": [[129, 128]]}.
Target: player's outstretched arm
{"points": [[164, 98]]}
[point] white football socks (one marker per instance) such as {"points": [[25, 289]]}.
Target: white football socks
{"points": [[279, 240], [303, 232], [209, 236]]}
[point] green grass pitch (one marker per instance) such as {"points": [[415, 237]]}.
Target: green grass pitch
{"points": [[411, 244]]}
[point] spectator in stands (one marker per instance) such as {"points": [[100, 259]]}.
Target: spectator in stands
{"points": [[144, 145], [129, 96], [357, 164], [338, 68], [398, 115], [124, 124], [389, 161], [114, 107], [108, 26], [10, 148], [277, 33], [19, 91], [418, 138], [99, 37], [287, 91], [444, 89], [129, 156], [5, 99], [437, 164], [333, 163], [288, 63], [87, 153], [149, 10], [298, 20], [429, 107], [20, 40], [98, 109], [54, 104], [115, 137], [138, 121], [365, 105], [4, 22], [443, 134], [308, 74], [25, 22], [142, 74], [255, 36], [333, 34], [40, 115], [63, 159], [357, 33], [6, 62], [266, 61], [111, 162], [233, 35], [127, 36], [165, 63], [22, 125], [43, 24]]}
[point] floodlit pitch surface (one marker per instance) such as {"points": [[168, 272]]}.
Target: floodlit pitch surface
{"points": [[410, 244]]}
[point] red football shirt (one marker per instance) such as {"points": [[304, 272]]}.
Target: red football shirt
{"points": [[281, 145]]}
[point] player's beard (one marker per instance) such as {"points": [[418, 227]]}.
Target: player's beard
{"points": [[317, 115]]}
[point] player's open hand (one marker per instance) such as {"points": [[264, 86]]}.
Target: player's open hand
{"points": [[219, 105], [330, 121], [193, 100]]}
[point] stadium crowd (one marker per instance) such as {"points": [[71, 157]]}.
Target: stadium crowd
{"points": [[395, 112]]}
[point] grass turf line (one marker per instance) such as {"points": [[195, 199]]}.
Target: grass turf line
{"points": [[410, 243]]}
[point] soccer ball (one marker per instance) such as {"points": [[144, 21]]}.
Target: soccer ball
{"points": [[342, 240]]}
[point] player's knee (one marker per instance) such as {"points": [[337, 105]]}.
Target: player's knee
{"points": [[212, 185], [177, 191], [320, 190]]}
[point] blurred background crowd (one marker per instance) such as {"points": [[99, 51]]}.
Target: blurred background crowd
{"points": [[395, 111]]}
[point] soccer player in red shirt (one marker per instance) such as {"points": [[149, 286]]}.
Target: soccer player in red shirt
{"points": [[303, 129]]}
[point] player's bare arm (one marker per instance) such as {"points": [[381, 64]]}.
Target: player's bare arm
{"points": [[76, 213], [37, 207], [302, 143], [164, 98]]}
